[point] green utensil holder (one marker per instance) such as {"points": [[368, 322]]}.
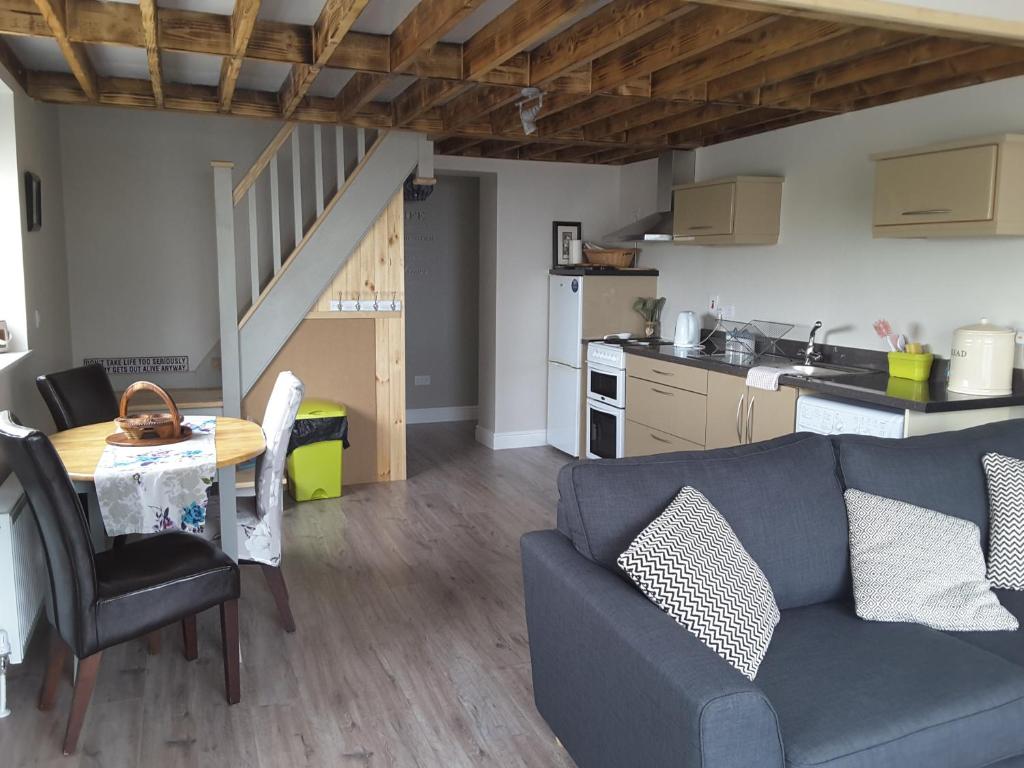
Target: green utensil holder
{"points": [[903, 365]]}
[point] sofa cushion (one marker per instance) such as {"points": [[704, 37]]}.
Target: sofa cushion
{"points": [[913, 564], [782, 498], [1005, 478], [690, 564], [941, 472], [859, 694]]}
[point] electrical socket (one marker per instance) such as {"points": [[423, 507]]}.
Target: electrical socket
{"points": [[713, 304], [1020, 337], [421, 381]]}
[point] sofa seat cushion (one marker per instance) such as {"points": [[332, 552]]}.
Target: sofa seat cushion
{"points": [[858, 694], [781, 497], [1008, 645]]}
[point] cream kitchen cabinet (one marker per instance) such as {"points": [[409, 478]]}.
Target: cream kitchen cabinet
{"points": [[738, 414], [966, 188], [667, 409], [642, 440], [740, 210]]}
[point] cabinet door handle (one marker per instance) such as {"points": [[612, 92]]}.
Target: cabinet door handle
{"points": [[750, 420], [927, 211], [661, 391], [662, 373], [739, 411], [661, 439], [700, 226]]}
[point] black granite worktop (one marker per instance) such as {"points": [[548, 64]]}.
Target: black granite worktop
{"points": [[580, 270], [872, 387]]}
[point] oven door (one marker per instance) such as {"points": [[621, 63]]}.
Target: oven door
{"points": [[606, 431], [606, 384]]}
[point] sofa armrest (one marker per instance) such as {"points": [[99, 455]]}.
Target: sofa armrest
{"points": [[622, 684]]}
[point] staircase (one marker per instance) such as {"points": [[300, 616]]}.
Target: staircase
{"points": [[334, 197]]}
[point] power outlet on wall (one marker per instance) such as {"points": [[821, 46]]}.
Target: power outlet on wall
{"points": [[713, 304], [421, 381]]}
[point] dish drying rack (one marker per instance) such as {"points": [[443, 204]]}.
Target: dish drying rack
{"points": [[756, 338]]}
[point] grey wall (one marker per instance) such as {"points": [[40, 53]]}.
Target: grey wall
{"points": [[140, 230], [45, 265], [442, 256]]}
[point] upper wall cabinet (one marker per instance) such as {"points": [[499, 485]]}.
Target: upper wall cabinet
{"points": [[961, 189], [740, 210]]}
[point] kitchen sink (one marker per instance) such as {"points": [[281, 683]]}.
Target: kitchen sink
{"points": [[818, 371]]}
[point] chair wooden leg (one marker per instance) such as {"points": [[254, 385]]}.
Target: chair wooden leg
{"points": [[54, 668], [85, 682], [275, 580], [229, 641], [188, 633], [153, 642]]}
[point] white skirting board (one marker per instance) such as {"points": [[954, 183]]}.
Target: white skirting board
{"points": [[499, 441], [437, 415]]}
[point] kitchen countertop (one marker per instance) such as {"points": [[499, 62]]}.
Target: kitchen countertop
{"points": [[874, 387]]}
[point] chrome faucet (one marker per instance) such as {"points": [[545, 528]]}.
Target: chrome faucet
{"points": [[810, 354]]}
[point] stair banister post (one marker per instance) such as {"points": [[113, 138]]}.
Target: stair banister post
{"points": [[224, 212]]}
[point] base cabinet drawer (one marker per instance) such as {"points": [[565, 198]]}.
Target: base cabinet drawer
{"points": [[646, 441], [673, 374], [675, 411]]}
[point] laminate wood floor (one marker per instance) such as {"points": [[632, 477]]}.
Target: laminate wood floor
{"points": [[411, 647]]}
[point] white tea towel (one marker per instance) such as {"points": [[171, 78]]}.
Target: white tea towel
{"points": [[150, 490], [764, 377]]}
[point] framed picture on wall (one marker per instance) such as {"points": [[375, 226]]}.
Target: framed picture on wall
{"points": [[33, 202], [563, 233]]}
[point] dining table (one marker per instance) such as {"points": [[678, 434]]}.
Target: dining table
{"points": [[237, 441]]}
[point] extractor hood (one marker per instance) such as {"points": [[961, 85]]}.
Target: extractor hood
{"points": [[674, 168]]}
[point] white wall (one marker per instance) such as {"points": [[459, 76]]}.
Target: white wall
{"points": [[529, 197], [140, 230], [826, 265], [44, 264]]}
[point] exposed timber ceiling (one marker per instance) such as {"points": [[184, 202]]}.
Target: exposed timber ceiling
{"points": [[623, 79]]}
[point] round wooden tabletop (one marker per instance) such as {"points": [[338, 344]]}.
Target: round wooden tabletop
{"points": [[80, 449]]}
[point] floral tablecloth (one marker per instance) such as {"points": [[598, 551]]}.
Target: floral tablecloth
{"points": [[149, 490]]}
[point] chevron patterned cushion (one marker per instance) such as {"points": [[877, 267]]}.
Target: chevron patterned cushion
{"points": [[1005, 477], [916, 565], [690, 564]]}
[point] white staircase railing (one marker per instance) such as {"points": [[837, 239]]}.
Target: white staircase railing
{"points": [[252, 208]]}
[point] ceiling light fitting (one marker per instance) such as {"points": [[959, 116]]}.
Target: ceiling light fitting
{"points": [[529, 107]]}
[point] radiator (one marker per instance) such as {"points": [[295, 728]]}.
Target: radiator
{"points": [[23, 577]]}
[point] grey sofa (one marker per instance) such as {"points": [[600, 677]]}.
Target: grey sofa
{"points": [[623, 686]]}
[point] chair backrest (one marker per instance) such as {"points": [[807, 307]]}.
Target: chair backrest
{"points": [[278, 421], [79, 396], [62, 526]]}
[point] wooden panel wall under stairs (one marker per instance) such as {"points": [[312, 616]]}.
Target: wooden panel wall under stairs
{"points": [[357, 358]]}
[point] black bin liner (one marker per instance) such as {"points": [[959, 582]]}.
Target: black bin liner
{"points": [[322, 430]]}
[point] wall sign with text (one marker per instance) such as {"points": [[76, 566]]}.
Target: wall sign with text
{"points": [[161, 364]]}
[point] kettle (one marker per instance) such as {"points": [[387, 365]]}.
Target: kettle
{"points": [[981, 361], [687, 331]]}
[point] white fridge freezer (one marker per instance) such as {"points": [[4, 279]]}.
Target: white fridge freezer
{"points": [[584, 307]]}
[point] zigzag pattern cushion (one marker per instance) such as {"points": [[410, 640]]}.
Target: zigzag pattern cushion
{"points": [[690, 564], [1006, 520], [916, 565]]}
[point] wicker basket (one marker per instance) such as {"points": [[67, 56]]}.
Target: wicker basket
{"points": [[161, 426], [610, 257]]}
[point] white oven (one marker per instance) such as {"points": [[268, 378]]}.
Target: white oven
{"points": [[606, 431], [606, 401]]}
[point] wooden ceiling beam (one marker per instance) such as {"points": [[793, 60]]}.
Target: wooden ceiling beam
{"points": [[147, 9], [685, 37], [702, 128], [243, 22], [608, 28], [850, 46], [767, 42], [951, 68], [476, 103], [53, 13], [897, 59], [334, 22], [361, 89], [424, 26], [637, 117], [884, 14], [423, 96], [516, 29], [940, 86], [684, 120], [590, 111], [10, 61], [763, 127]]}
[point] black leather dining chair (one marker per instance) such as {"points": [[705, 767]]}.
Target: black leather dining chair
{"points": [[79, 396], [98, 600]]}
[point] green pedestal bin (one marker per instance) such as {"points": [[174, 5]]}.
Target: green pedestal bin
{"points": [[315, 468]]}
